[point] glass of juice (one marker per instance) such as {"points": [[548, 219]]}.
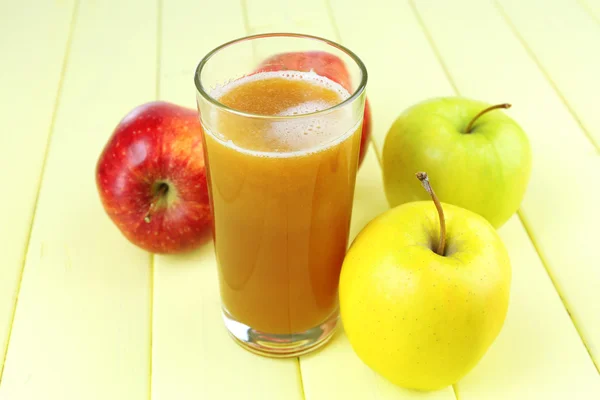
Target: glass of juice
{"points": [[282, 117]]}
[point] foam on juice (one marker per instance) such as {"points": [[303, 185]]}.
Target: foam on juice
{"points": [[310, 76], [289, 135]]}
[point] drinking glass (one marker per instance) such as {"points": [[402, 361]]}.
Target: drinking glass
{"points": [[281, 211]]}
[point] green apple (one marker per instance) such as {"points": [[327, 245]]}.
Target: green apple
{"points": [[480, 161], [421, 301]]}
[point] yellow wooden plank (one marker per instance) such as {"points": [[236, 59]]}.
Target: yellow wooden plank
{"points": [[32, 40], [560, 208], [289, 16], [193, 355], [185, 41], [266, 16], [557, 34], [81, 329]]}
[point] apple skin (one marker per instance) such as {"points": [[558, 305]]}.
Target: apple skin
{"points": [[421, 320], [322, 63], [329, 66], [156, 143], [486, 171]]}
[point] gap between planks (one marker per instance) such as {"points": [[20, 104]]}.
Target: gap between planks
{"points": [[61, 80], [519, 213], [300, 380], [246, 17], [151, 325]]}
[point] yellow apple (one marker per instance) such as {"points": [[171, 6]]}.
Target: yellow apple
{"points": [[420, 319], [479, 157]]}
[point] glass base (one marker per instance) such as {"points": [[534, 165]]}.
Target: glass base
{"points": [[281, 346]]}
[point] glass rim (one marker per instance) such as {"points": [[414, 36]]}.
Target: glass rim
{"points": [[353, 96]]}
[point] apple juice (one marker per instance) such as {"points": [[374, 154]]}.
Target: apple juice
{"points": [[282, 185]]}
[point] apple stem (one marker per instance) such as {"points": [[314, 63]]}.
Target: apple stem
{"points": [[470, 126], [161, 191], [422, 176]]}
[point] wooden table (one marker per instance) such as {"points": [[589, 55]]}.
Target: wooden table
{"points": [[86, 315]]}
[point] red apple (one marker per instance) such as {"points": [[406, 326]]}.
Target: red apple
{"points": [[324, 64], [151, 178]]}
